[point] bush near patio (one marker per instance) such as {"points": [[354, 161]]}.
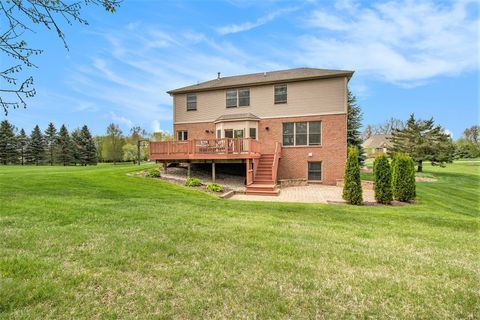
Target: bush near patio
{"points": [[403, 178], [193, 182], [352, 187], [214, 187], [382, 175], [153, 173]]}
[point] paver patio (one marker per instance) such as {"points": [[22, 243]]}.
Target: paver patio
{"points": [[309, 194]]}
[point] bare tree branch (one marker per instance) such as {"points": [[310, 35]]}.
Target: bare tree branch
{"points": [[13, 46]]}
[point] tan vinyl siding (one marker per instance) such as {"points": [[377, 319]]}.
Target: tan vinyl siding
{"points": [[312, 97]]}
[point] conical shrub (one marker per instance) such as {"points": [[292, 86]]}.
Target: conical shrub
{"points": [[352, 187], [382, 174], [403, 178]]}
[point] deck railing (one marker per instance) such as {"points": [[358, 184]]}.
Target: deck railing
{"points": [[276, 159], [206, 146]]}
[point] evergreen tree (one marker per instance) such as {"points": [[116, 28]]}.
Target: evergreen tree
{"points": [[86, 149], [22, 143], [352, 185], [64, 150], [50, 142], [354, 123], [382, 174], [77, 147], [8, 143], [423, 142], [36, 147], [403, 177]]}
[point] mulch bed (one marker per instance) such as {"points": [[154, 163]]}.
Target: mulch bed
{"points": [[372, 203], [181, 182]]}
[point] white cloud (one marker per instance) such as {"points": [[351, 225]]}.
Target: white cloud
{"points": [[406, 43], [235, 28], [121, 119]]}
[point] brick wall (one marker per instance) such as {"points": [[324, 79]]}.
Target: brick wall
{"points": [[294, 161]]}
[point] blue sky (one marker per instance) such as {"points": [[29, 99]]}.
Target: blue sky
{"points": [[408, 57]]}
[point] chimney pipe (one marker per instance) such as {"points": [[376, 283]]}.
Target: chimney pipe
{"points": [[218, 75]]}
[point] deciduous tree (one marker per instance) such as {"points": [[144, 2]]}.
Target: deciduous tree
{"points": [[20, 19]]}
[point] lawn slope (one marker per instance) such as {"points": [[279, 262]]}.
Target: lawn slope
{"points": [[95, 242]]}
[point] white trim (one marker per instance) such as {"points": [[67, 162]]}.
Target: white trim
{"points": [[275, 117]]}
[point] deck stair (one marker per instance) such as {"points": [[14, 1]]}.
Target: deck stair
{"points": [[263, 182]]}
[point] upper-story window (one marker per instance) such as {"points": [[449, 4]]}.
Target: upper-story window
{"points": [[302, 133], [237, 98], [191, 102], [280, 93]]}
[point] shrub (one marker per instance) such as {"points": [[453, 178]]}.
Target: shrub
{"points": [[154, 173], [382, 175], [352, 186], [215, 187], [193, 182], [403, 178]]}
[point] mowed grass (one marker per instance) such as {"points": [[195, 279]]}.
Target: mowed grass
{"points": [[95, 242]]}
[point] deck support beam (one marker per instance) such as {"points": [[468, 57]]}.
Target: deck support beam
{"points": [[189, 169], [213, 171], [165, 166]]}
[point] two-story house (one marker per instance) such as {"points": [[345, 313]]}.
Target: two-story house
{"points": [[288, 124]]}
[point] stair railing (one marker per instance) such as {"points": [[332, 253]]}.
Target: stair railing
{"points": [[276, 158]]}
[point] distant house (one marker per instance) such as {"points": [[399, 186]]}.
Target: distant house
{"points": [[377, 144], [289, 124]]}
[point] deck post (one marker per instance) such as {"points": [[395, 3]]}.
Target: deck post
{"points": [[189, 169], [165, 166], [213, 171]]}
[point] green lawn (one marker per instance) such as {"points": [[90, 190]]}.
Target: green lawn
{"points": [[97, 243]]}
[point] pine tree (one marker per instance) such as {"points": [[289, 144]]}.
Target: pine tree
{"points": [[354, 123], [22, 143], [423, 142], [36, 147], [50, 142], [382, 174], [8, 143], [403, 178], [89, 150], [77, 145], [64, 150], [352, 186]]}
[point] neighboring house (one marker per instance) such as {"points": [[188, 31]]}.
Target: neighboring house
{"points": [[288, 125], [376, 144]]}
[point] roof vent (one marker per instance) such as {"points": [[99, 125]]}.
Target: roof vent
{"points": [[218, 75]]}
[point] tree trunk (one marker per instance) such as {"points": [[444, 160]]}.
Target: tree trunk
{"points": [[420, 166]]}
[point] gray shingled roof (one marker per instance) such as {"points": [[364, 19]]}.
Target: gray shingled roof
{"points": [[289, 75], [377, 141], [238, 116]]}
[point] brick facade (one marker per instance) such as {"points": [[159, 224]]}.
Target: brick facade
{"points": [[294, 161]]}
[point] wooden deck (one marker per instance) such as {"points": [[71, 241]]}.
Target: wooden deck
{"points": [[205, 149]]}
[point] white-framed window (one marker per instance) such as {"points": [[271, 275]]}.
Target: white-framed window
{"points": [[191, 102], [253, 133], [182, 135], [280, 93], [237, 98], [302, 133], [315, 170]]}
